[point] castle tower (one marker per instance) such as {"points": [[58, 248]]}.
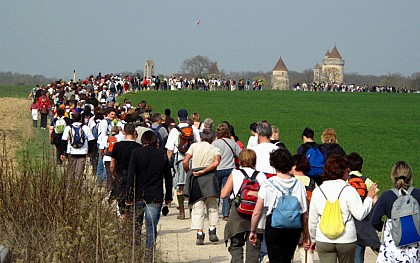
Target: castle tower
{"points": [[332, 67], [280, 76], [149, 69], [317, 73]]}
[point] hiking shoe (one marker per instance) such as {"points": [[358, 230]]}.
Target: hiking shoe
{"points": [[200, 239], [212, 235]]}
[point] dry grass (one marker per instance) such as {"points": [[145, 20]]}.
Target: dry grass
{"points": [[46, 216]]}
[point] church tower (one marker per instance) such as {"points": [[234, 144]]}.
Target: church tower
{"points": [[280, 76], [149, 69]]}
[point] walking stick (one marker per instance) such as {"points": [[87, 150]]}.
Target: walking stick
{"points": [[306, 235]]}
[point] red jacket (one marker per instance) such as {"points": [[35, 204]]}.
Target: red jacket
{"points": [[43, 100]]}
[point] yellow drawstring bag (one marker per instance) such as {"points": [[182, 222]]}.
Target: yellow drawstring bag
{"points": [[331, 223]]}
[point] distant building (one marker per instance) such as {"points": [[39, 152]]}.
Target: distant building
{"points": [[332, 68], [214, 72], [149, 69], [280, 76]]}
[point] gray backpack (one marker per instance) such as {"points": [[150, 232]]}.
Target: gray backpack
{"points": [[405, 218]]}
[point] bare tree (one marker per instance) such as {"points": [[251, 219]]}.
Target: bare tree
{"points": [[197, 66]]}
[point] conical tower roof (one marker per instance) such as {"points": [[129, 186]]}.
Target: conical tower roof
{"points": [[327, 54], [317, 66], [280, 66], [335, 53]]}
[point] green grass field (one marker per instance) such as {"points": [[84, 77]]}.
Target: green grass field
{"points": [[15, 91], [383, 128]]}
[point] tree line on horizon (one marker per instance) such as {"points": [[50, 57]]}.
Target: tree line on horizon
{"points": [[201, 66]]}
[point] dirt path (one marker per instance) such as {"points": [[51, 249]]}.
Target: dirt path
{"points": [[177, 242]]}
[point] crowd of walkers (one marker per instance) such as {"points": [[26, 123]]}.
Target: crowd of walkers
{"points": [[343, 87], [273, 201]]}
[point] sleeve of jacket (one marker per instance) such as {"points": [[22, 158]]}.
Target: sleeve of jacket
{"points": [[378, 211], [168, 181], [131, 175]]}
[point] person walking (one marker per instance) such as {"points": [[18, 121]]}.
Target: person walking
{"points": [[229, 150], [78, 139], [335, 187], [120, 159], [177, 158], [202, 186], [402, 179], [281, 242], [148, 170], [238, 226]]}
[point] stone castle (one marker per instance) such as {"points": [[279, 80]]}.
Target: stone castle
{"points": [[331, 70]]}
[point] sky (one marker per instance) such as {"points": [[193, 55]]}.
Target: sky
{"points": [[55, 37]]}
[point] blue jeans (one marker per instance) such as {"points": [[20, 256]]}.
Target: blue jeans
{"points": [[152, 212], [100, 170], [359, 257], [222, 176]]}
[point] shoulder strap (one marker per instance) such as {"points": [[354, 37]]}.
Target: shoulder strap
{"points": [[323, 193], [402, 191], [254, 175], [342, 191], [338, 194], [410, 189], [234, 155], [245, 174]]}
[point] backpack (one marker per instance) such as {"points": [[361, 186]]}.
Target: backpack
{"points": [[185, 138], [95, 129], [77, 136], [316, 161], [246, 198], [112, 140], [359, 184], [286, 213], [60, 125], [156, 131], [44, 108], [331, 223], [405, 218]]}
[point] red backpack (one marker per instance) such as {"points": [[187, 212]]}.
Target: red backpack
{"points": [[247, 196]]}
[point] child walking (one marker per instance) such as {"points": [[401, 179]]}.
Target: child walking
{"points": [[34, 111]]}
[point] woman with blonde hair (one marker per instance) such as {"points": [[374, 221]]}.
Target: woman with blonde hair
{"points": [[195, 117], [402, 177], [329, 146]]}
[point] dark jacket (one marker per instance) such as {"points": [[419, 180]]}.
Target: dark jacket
{"points": [[330, 149], [147, 168], [199, 187]]}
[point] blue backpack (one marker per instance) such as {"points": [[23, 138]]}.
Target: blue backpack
{"points": [[287, 212], [316, 161], [77, 136], [156, 131], [95, 129]]}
